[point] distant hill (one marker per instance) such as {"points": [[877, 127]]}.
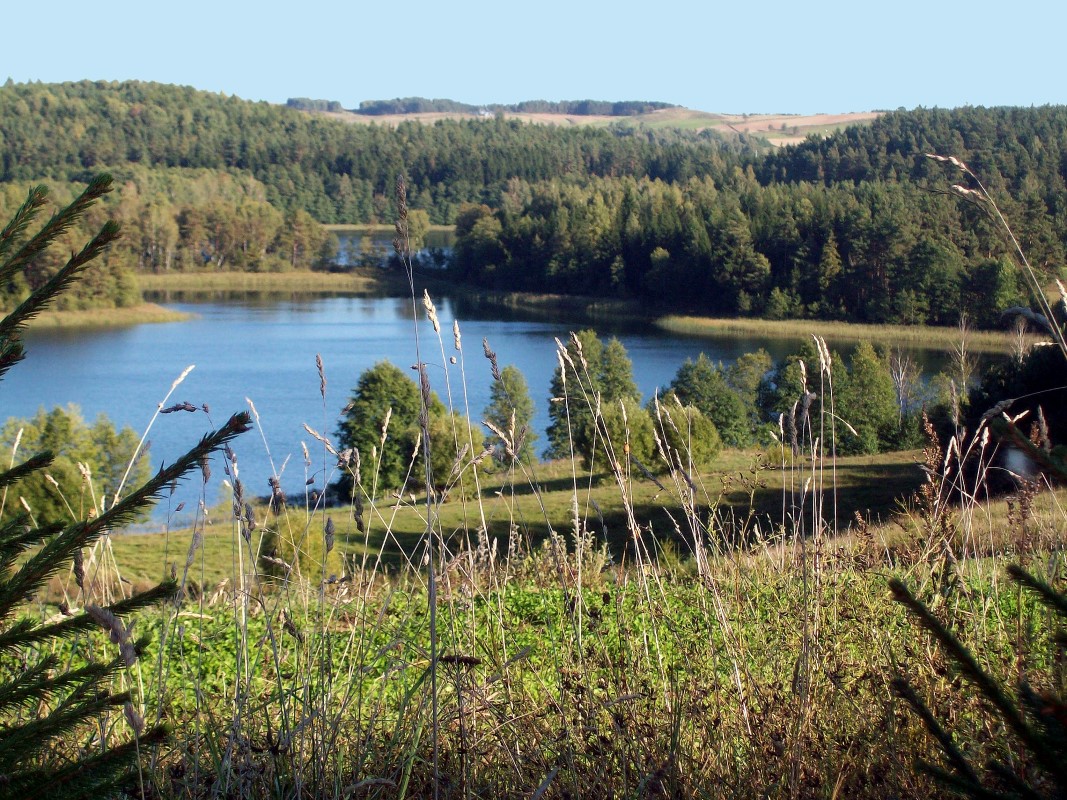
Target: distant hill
{"points": [[308, 161], [774, 129], [580, 108]]}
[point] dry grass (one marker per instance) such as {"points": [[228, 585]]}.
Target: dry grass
{"points": [[356, 281], [107, 317], [918, 336]]}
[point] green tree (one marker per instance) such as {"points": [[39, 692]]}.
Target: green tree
{"points": [[105, 453], [868, 403], [703, 385], [383, 394], [511, 411], [47, 706], [691, 440], [592, 371], [615, 378], [622, 430], [451, 452], [418, 227], [796, 391], [744, 376]]}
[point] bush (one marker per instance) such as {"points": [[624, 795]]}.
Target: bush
{"points": [[691, 440], [104, 451]]}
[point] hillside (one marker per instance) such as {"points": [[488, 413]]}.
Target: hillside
{"points": [[775, 129], [853, 224]]}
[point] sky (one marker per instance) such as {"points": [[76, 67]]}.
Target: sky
{"points": [[729, 56]]}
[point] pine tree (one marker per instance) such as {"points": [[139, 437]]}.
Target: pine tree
{"points": [[511, 410], [42, 700]]}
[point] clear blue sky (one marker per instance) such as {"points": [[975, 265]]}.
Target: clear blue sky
{"points": [[714, 55]]}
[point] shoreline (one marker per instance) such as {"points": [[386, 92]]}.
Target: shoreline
{"points": [[143, 313], [372, 281], [917, 336]]}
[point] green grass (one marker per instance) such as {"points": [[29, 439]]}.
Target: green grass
{"points": [[740, 488]]}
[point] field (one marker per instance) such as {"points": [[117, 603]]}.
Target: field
{"points": [[777, 129], [743, 492]]}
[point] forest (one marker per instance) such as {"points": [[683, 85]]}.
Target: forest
{"points": [[856, 226]]}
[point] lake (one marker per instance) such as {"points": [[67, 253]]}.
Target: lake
{"points": [[264, 348]]}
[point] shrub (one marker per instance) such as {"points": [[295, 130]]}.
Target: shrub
{"points": [[105, 453]]}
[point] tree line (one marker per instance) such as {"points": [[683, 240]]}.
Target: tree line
{"points": [[877, 252], [855, 226], [598, 416], [173, 220]]}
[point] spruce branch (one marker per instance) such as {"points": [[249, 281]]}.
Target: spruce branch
{"points": [[59, 224], [15, 229], [26, 468], [25, 632], [49, 559], [1045, 593], [16, 321], [1009, 712]]}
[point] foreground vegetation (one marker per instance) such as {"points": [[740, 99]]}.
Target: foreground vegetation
{"points": [[698, 660], [530, 638]]}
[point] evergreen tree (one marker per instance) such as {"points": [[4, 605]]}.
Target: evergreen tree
{"points": [[744, 376], [381, 423], [868, 402], [511, 411], [593, 371], [43, 701]]}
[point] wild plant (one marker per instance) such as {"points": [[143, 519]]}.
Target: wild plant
{"points": [[1033, 718], [59, 717]]}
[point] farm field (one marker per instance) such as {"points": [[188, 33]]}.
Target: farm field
{"points": [[777, 129]]}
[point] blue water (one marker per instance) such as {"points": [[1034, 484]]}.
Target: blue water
{"points": [[265, 351]]}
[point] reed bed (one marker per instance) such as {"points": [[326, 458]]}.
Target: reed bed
{"points": [[913, 336]]}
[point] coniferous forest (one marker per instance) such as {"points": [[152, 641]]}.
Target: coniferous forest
{"points": [[856, 226]]}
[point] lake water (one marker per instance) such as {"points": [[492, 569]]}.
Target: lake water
{"points": [[264, 349]]}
